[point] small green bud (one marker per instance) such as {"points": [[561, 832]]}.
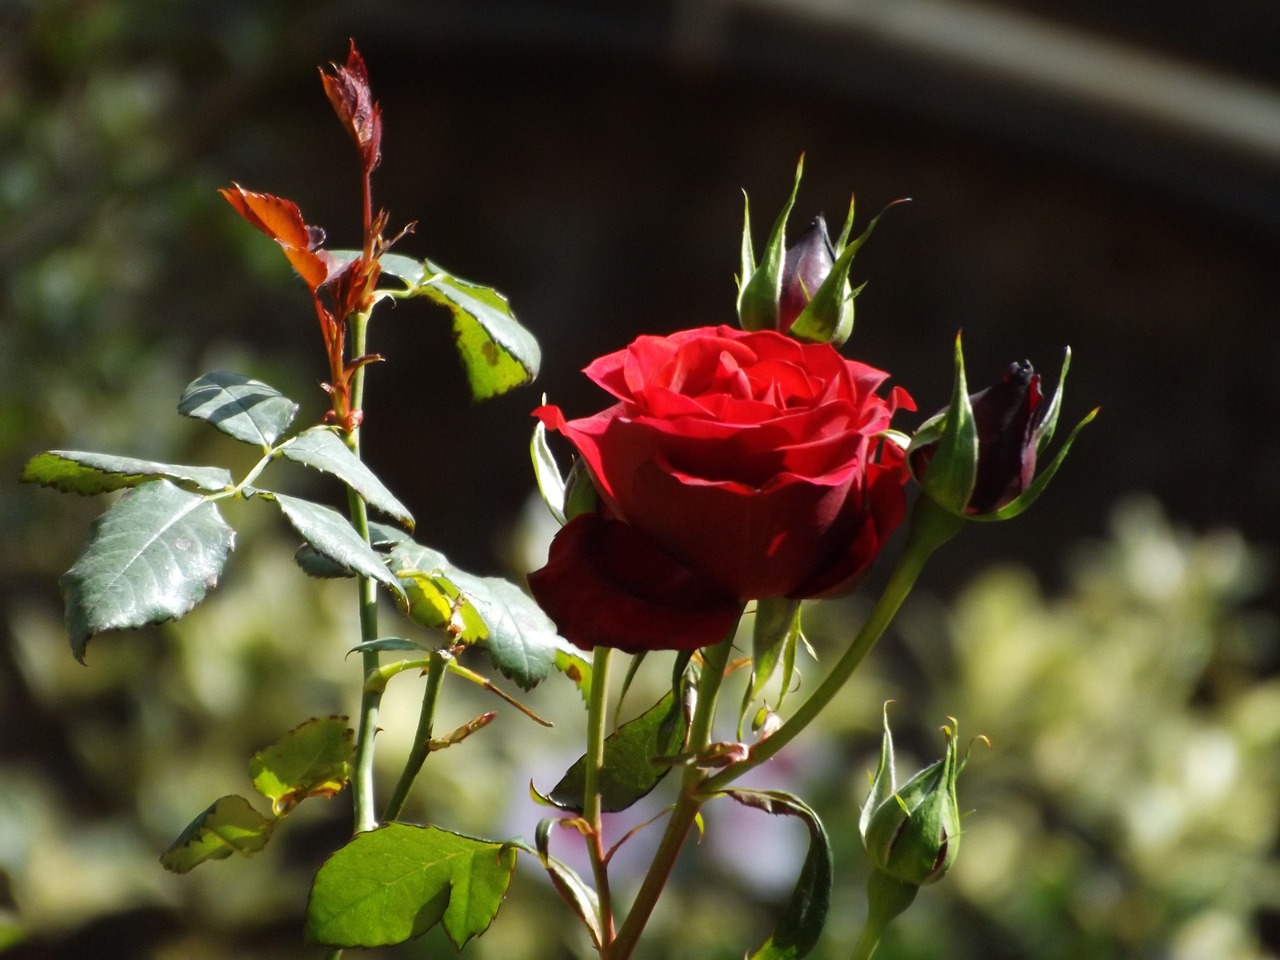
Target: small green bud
{"points": [[912, 833]]}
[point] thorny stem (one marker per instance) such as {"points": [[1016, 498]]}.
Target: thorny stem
{"points": [[685, 812], [591, 792], [365, 802], [421, 739]]}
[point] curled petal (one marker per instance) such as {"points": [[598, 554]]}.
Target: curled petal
{"points": [[606, 584]]}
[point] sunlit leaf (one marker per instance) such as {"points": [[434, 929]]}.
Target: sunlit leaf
{"points": [[801, 923], [76, 471], [629, 771], [312, 760], [249, 410], [547, 473], [230, 825], [321, 449], [328, 532], [580, 897], [395, 883], [493, 614], [151, 557]]}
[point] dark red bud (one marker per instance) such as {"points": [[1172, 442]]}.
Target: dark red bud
{"points": [[804, 267], [1007, 416]]}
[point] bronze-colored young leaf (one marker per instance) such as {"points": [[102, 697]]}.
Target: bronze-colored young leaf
{"points": [[230, 825], [312, 760]]}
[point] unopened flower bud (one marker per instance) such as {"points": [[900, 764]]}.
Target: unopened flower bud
{"points": [[977, 458], [805, 266], [912, 832]]}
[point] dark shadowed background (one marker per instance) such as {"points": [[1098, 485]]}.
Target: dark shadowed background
{"points": [[1099, 174]]}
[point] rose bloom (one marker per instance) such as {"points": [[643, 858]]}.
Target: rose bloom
{"points": [[734, 466]]}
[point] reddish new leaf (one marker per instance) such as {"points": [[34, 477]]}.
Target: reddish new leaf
{"points": [[348, 90], [281, 220]]}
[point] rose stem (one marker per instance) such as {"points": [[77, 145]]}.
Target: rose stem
{"points": [[687, 806], [365, 816], [421, 739], [591, 791], [931, 527]]}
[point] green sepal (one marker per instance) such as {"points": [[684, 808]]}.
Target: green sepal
{"points": [[546, 472], [952, 472], [774, 638], [761, 286], [1037, 487], [800, 925], [828, 317], [883, 783]]}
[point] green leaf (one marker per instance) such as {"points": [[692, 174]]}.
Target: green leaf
{"points": [[493, 614], [629, 771], [577, 668], [581, 898], [249, 410], [497, 352], [397, 882], [328, 533], [230, 825], [76, 471], [151, 557], [312, 760], [321, 449], [801, 923], [385, 644]]}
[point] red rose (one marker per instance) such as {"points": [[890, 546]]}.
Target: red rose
{"points": [[735, 466]]}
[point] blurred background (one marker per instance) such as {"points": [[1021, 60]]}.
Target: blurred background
{"points": [[1099, 174]]}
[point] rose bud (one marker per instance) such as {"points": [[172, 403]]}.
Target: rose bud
{"points": [[977, 458], [806, 265], [912, 832], [805, 290]]}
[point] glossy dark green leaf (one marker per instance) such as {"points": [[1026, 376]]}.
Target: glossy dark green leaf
{"points": [[801, 923], [395, 883], [230, 825], [491, 613], [151, 557], [311, 760], [497, 352], [385, 644], [329, 534], [247, 409], [629, 771], [77, 471], [321, 449]]}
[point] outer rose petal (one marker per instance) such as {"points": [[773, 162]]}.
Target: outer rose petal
{"points": [[606, 584]]}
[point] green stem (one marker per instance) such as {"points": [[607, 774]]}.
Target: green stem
{"points": [[886, 898], [591, 791], [365, 803], [421, 738], [685, 812], [931, 527]]}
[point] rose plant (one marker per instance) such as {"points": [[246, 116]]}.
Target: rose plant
{"points": [[737, 473]]}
